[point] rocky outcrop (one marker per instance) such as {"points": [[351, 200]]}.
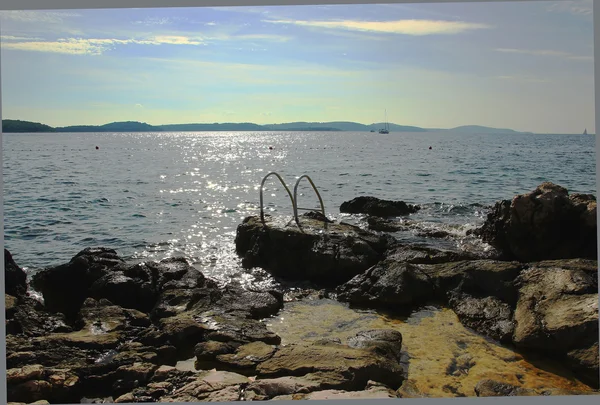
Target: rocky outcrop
{"points": [[326, 256], [557, 312], [376, 207], [156, 314], [545, 224]]}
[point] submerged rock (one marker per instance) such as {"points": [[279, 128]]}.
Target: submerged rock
{"points": [[545, 224], [377, 207], [326, 256]]}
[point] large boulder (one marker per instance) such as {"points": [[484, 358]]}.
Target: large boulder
{"points": [[327, 256], [377, 207], [65, 287], [557, 312], [545, 224]]}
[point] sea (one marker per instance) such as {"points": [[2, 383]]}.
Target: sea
{"points": [[151, 196]]}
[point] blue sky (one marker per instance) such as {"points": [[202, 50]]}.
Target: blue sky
{"points": [[526, 66]]}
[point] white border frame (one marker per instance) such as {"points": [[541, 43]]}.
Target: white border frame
{"points": [[97, 4]]}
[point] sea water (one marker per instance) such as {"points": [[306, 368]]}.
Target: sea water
{"points": [[156, 195]]}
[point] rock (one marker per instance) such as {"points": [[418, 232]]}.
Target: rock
{"points": [[35, 382], [390, 284], [557, 312], [377, 207], [371, 393], [356, 365], [491, 388], [28, 317], [386, 342], [327, 257], [104, 326], [545, 224], [424, 255], [488, 316], [125, 291], [245, 359], [15, 279], [210, 386], [265, 389], [65, 287], [206, 353]]}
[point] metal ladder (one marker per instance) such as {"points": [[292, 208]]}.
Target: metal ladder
{"points": [[293, 198]]}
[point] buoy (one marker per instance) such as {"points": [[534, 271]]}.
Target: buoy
{"points": [[430, 147], [270, 148], [97, 147]]}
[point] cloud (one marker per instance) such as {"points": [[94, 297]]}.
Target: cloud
{"points": [[139, 105], [582, 7], [96, 46], [404, 27], [158, 20], [523, 79], [15, 38], [55, 17], [545, 52]]}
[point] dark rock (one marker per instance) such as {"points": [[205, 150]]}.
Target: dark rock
{"points": [[385, 342], [324, 256], [491, 388], [15, 279], [377, 207], [65, 287], [28, 317], [390, 284], [545, 224], [124, 291], [425, 255], [488, 316]]}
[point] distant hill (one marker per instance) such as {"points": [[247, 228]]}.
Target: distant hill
{"points": [[17, 126], [478, 129]]}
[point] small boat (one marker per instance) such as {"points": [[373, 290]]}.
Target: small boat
{"points": [[372, 130], [585, 132], [386, 129]]}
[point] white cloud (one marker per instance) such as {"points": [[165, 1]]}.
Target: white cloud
{"points": [[405, 27], [96, 46], [581, 7], [545, 52], [16, 38], [139, 105], [37, 16]]}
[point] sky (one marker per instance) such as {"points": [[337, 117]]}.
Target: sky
{"points": [[527, 66]]}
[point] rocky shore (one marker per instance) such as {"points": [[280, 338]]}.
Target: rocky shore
{"points": [[111, 331]]}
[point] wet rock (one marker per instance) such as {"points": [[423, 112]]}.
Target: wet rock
{"points": [[65, 287], [488, 316], [377, 207], [491, 388], [557, 312], [371, 393], [245, 359], [325, 257], [210, 386], [124, 291], [357, 365], [104, 326], [385, 342], [28, 317], [545, 224], [35, 382], [15, 279], [424, 255], [390, 284]]}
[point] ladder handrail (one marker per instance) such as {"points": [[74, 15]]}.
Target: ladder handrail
{"points": [[262, 213], [293, 197], [295, 200]]}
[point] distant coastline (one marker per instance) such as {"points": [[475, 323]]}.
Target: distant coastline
{"points": [[19, 126]]}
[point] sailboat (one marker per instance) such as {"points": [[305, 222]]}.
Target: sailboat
{"points": [[585, 132], [386, 129]]}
